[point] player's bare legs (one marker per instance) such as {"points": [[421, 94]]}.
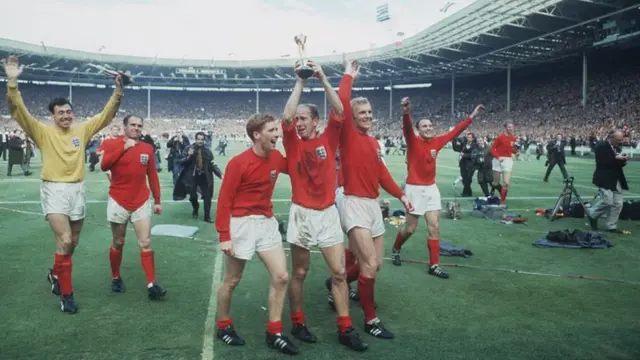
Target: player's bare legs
{"points": [[276, 263], [67, 234], [334, 257], [143, 234], [404, 233], [118, 232], [368, 260], [495, 185], [432, 219], [300, 258], [233, 269]]}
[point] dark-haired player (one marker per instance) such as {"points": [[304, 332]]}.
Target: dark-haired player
{"points": [[421, 188], [502, 150], [245, 223], [313, 217], [132, 164], [62, 191]]}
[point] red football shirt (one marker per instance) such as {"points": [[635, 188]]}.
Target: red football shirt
{"points": [[129, 172], [362, 167], [312, 164], [247, 188], [422, 154], [503, 146]]}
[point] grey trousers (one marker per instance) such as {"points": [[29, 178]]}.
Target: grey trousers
{"points": [[609, 203]]}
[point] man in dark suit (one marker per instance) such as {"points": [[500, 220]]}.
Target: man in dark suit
{"points": [[196, 176], [555, 152], [610, 180]]}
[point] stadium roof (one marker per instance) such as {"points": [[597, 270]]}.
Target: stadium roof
{"points": [[485, 37]]}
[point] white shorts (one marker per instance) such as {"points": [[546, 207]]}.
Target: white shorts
{"points": [[119, 215], [423, 198], [254, 233], [505, 166], [339, 196], [361, 212], [64, 198], [310, 227]]}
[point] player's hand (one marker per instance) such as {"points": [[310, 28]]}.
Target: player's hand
{"points": [[407, 204], [157, 209], [476, 111], [351, 67], [501, 159], [622, 157], [190, 152], [227, 248], [12, 68], [119, 83], [406, 105], [296, 67], [129, 143], [317, 70]]}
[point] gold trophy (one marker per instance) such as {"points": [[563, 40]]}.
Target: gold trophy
{"points": [[304, 71]]}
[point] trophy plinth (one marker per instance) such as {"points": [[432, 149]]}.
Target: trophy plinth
{"points": [[304, 71]]}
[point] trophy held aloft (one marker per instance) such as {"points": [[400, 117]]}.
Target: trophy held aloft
{"points": [[304, 71]]}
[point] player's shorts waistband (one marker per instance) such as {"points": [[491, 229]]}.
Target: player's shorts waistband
{"points": [[252, 217], [62, 182]]}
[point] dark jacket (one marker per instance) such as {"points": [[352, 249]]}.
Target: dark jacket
{"points": [[556, 152], [608, 169], [16, 151], [186, 180]]}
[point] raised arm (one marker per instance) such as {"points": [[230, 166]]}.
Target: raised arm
{"points": [[17, 109], [456, 131], [100, 121], [344, 94], [332, 96], [294, 99], [407, 122]]}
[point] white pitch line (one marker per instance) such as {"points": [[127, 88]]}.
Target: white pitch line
{"points": [[534, 179], [208, 341], [524, 198]]}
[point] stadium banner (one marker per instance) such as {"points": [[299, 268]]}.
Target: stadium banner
{"points": [[200, 71]]}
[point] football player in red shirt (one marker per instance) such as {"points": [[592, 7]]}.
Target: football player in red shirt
{"points": [[313, 217], [245, 223], [502, 151], [360, 215], [421, 188], [132, 163]]}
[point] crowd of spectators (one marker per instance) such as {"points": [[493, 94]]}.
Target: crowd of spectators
{"points": [[545, 100]]}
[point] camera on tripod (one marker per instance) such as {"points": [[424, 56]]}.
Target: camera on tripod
{"points": [[569, 180]]}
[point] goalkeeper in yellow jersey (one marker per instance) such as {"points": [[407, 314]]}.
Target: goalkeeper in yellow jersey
{"points": [[62, 191]]}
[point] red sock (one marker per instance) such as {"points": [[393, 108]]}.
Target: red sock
{"points": [[401, 238], [353, 271], [115, 258], [503, 194], [274, 327], [434, 251], [146, 259], [350, 257], [63, 265], [344, 323], [365, 291], [222, 324], [297, 318]]}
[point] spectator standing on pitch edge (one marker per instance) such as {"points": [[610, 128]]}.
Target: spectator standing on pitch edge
{"points": [[610, 180], [62, 191]]}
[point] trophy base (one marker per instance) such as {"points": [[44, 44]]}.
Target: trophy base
{"points": [[304, 72]]}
